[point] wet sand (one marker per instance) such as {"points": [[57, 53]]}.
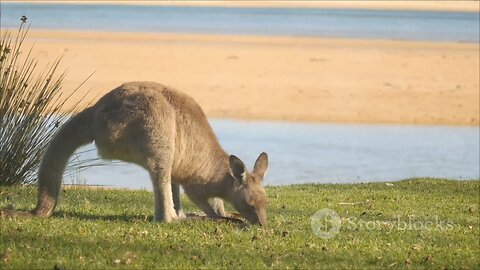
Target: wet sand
{"points": [[281, 78]]}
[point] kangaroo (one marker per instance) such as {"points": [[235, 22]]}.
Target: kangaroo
{"points": [[167, 133]]}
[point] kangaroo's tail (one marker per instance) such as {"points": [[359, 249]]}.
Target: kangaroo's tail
{"points": [[74, 133]]}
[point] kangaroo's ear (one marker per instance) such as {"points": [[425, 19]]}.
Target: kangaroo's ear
{"points": [[261, 164], [237, 169]]}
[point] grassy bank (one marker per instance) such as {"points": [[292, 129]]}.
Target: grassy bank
{"points": [[420, 223]]}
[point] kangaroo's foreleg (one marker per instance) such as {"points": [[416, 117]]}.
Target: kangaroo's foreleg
{"points": [[177, 204], [218, 207], [201, 202]]}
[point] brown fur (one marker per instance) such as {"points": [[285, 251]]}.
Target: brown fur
{"points": [[167, 133]]}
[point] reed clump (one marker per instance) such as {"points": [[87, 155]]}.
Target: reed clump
{"points": [[31, 107]]}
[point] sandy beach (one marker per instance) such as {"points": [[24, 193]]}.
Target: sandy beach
{"points": [[281, 78]]}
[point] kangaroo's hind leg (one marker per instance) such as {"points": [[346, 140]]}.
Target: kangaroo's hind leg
{"points": [[136, 124], [151, 147], [159, 154], [162, 189], [159, 165]]}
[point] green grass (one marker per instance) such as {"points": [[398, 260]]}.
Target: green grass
{"points": [[419, 223]]}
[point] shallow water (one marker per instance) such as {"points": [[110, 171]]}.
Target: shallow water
{"points": [[330, 153], [344, 23]]}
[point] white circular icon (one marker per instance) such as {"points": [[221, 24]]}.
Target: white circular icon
{"points": [[326, 223]]}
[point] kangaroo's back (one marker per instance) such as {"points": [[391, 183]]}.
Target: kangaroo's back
{"points": [[146, 105]]}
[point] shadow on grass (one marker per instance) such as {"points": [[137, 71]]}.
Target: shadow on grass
{"points": [[28, 213], [93, 217], [190, 217]]}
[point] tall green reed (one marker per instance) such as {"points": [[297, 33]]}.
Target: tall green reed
{"points": [[32, 107]]}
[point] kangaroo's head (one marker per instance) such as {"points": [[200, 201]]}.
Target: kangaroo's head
{"points": [[249, 197]]}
